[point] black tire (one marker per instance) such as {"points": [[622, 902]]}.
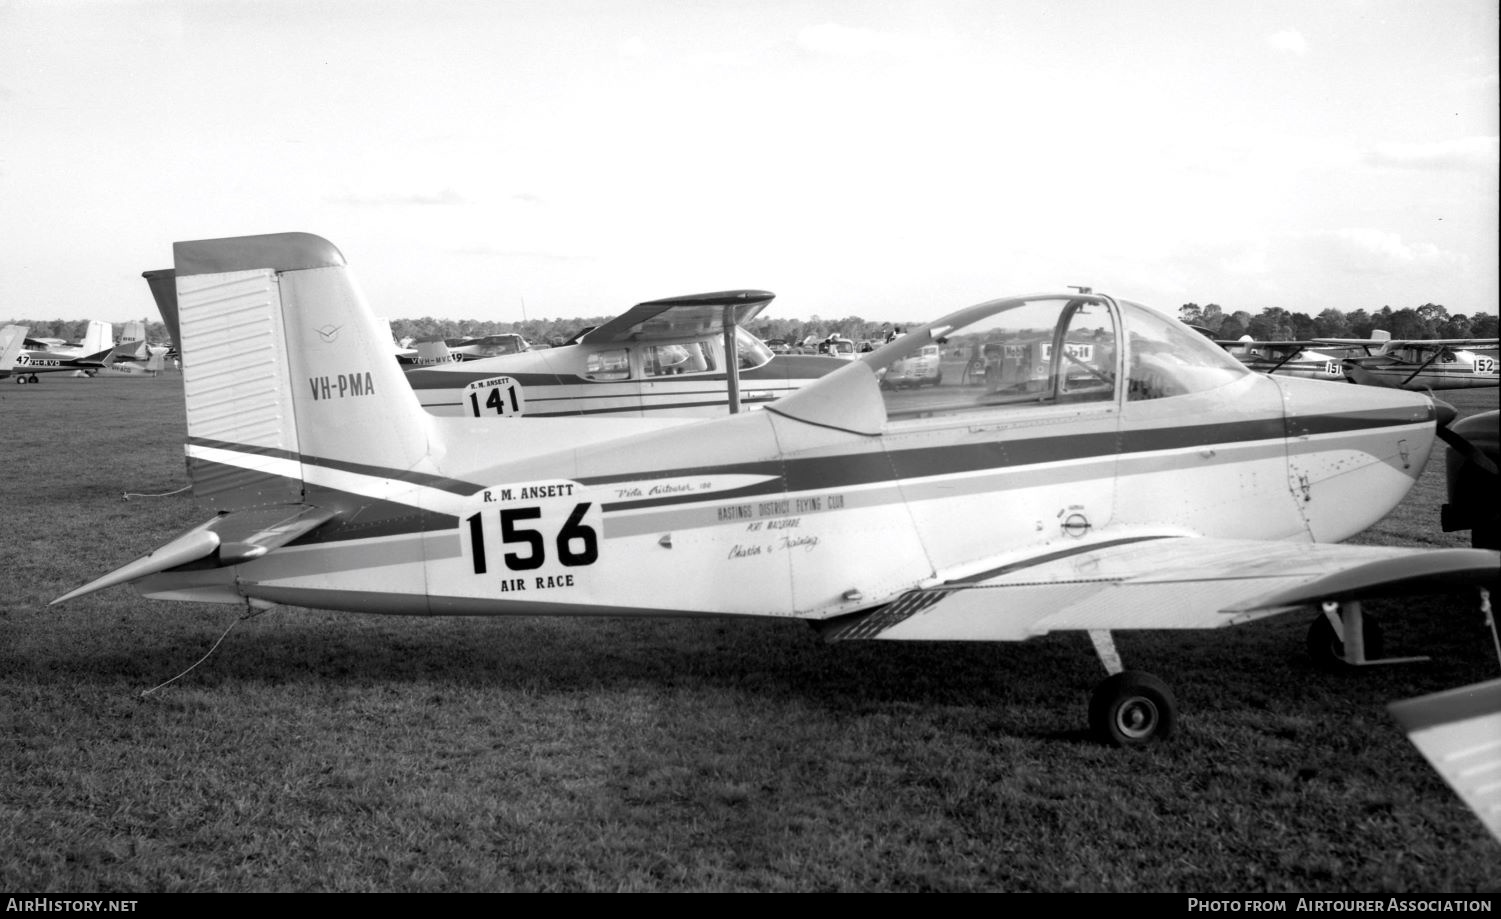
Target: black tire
{"points": [[1328, 653], [1132, 709]]}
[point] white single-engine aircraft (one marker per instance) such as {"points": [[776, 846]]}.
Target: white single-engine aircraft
{"points": [[1154, 484], [12, 337], [663, 358], [1288, 358], [1422, 364], [88, 358], [133, 354]]}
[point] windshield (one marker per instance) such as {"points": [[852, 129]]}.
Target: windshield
{"points": [[1046, 351], [751, 350]]}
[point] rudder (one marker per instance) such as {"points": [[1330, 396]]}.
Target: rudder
{"points": [[285, 371]]}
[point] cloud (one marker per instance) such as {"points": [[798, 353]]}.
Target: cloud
{"points": [[1290, 41], [836, 40], [1482, 153], [444, 197], [487, 251], [1368, 251]]}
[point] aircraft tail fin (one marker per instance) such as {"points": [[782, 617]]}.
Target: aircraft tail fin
{"points": [[433, 352], [12, 337], [297, 411], [100, 337], [287, 374]]}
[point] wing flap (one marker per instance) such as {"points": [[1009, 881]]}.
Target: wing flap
{"points": [[1159, 583]]}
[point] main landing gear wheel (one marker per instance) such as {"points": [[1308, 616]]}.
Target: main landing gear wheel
{"points": [[1132, 709], [1327, 651]]}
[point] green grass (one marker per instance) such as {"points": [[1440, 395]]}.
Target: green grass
{"points": [[320, 751]]}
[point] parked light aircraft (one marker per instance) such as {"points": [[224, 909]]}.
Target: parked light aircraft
{"points": [[1158, 484], [1288, 358], [133, 354], [460, 350], [88, 357], [12, 337], [1422, 364], [661, 358]]}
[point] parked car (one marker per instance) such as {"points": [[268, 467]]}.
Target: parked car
{"points": [[921, 369]]}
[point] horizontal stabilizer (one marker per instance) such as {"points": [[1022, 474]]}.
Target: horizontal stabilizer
{"points": [[199, 542], [230, 539]]}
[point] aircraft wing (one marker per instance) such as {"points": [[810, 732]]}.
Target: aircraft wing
{"points": [[1160, 582], [1441, 343], [1459, 732], [676, 317]]}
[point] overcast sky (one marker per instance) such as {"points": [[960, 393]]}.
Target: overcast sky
{"points": [[895, 160]]}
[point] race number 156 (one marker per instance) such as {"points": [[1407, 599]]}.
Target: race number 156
{"points": [[524, 539]]}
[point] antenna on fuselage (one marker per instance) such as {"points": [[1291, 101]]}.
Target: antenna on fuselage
{"points": [[1082, 290]]}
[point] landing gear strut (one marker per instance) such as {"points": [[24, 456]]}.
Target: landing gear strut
{"points": [[1342, 637]]}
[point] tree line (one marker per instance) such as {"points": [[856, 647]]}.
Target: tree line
{"points": [[1276, 324], [1272, 324]]}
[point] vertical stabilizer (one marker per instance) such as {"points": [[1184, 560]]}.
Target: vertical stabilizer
{"points": [[99, 337], [288, 376], [12, 337]]}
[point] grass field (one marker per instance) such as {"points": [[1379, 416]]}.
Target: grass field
{"points": [[319, 751]]}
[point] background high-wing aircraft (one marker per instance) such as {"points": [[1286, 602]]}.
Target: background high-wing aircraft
{"points": [[458, 350], [1422, 364], [88, 357], [12, 337], [661, 358], [1103, 468], [1288, 358], [664, 358], [133, 354]]}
